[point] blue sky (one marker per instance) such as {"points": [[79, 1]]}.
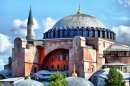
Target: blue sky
{"points": [[114, 14]]}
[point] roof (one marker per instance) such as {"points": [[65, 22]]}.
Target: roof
{"points": [[117, 47], [28, 83], [79, 20], [115, 63], [43, 74], [6, 73], [126, 76], [12, 79], [78, 81]]}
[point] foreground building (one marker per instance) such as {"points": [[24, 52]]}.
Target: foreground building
{"points": [[78, 39]]}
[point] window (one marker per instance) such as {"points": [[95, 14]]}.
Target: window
{"points": [[52, 58], [98, 33], [94, 80], [58, 66], [93, 33], [52, 67], [93, 68], [54, 33], [61, 57], [46, 67], [69, 33], [58, 57], [58, 33], [64, 55], [35, 69], [125, 70], [64, 66], [75, 32]]}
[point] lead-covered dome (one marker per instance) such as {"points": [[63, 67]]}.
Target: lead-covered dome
{"points": [[78, 81], [28, 83], [79, 25], [79, 20]]}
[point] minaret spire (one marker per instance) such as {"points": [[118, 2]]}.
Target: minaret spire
{"points": [[30, 18], [79, 11], [30, 26]]}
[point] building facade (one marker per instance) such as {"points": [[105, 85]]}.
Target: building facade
{"points": [[78, 39]]}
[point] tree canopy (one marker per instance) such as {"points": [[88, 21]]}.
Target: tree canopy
{"points": [[114, 78], [57, 80]]}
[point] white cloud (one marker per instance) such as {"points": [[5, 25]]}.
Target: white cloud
{"points": [[5, 44], [48, 23], [124, 2], [5, 49], [19, 28], [122, 34]]}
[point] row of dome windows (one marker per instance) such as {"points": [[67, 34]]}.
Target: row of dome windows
{"points": [[80, 32], [58, 67]]}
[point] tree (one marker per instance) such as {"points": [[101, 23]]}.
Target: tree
{"points": [[114, 78], [1, 85], [57, 80]]}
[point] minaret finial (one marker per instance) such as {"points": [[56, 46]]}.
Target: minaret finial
{"points": [[74, 74], [79, 11]]}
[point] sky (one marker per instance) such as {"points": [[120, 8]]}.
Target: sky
{"points": [[114, 14]]}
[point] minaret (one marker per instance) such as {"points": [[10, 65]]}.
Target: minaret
{"points": [[79, 11], [30, 26]]}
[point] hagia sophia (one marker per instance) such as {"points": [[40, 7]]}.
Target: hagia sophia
{"points": [[78, 39]]}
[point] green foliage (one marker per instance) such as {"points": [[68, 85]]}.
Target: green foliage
{"points": [[1, 85], [57, 80], [114, 78]]}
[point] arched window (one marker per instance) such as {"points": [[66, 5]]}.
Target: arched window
{"points": [[64, 55], [63, 34], [35, 69], [58, 33], [64, 66], [93, 68], [98, 33], [103, 34], [95, 80], [54, 33], [46, 67], [58, 66], [125, 70], [52, 67], [93, 33], [58, 57], [75, 32], [52, 58], [69, 33]]}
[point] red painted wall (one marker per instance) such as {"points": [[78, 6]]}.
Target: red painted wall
{"points": [[41, 53], [55, 62]]}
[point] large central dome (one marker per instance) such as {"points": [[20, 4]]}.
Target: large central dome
{"points": [[79, 20], [79, 25]]}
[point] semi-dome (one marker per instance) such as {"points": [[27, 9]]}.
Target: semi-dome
{"points": [[79, 20], [28, 83], [78, 81]]}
